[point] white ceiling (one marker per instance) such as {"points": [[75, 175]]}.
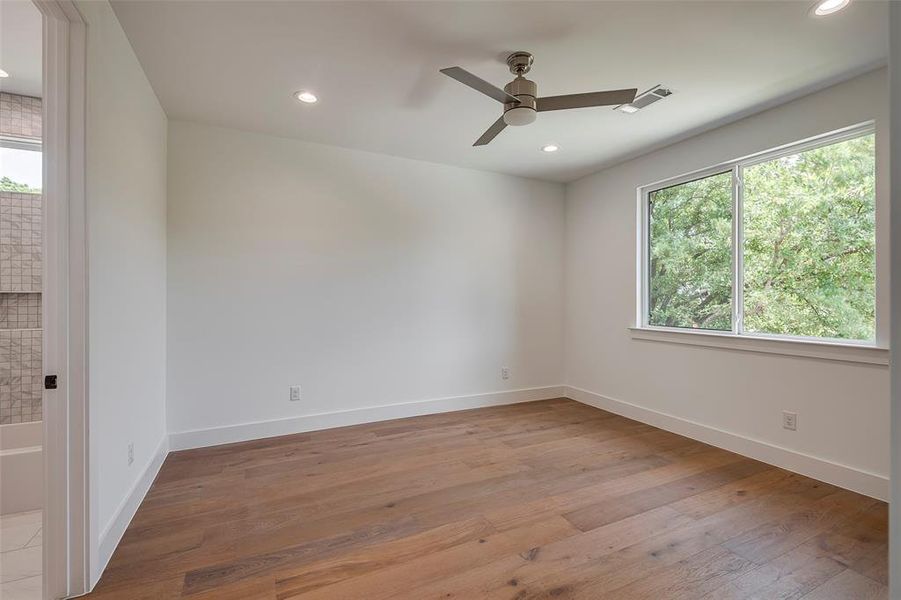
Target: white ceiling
{"points": [[374, 66], [20, 47]]}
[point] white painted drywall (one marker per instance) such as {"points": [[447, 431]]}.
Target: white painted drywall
{"points": [[366, 279], [843, 409], [126, 203]]}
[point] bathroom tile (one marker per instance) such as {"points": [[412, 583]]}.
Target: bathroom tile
{"points": [[20, 374], [16, 538], [20, 116], [20, 242], [21, 559], [21, 265], [19, 564], [37, 540], [22, 589], [19, 530], [20, 311], [32, 518]]}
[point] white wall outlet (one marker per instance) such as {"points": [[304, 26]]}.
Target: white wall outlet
{"points": [[789, 420], [505, 372], [294, 393], [131, 453]]}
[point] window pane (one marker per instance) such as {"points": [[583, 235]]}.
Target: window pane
{"points": [[20, 170], [810, 243], [690, 271]]}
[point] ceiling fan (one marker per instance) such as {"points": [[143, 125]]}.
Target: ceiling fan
{"points": [[520, 96]]}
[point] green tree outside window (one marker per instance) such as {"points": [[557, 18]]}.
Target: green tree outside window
{"points": [[808, 249]]}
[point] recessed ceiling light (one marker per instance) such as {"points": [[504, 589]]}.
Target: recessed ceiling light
{"points": [[550, 148], [828, 7], [3, 73], [307, 97], [628, 108]]}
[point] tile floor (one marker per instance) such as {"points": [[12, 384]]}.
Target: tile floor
{"points": [[20, 556]]}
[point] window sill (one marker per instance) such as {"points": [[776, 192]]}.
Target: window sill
{"points": [[823, 350]]}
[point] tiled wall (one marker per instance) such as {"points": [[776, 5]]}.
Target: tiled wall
{"points": [[20, 381], [20, 311], [20, 242], [20, 116], [20, 278]]}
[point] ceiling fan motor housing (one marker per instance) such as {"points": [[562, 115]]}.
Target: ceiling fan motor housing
{"points": [[526, 110]]}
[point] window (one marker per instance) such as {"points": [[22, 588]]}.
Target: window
{"points": [[20, 167], [691, 254], [781, 244]]}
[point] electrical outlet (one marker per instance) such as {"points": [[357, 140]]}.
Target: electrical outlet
{"points": [[294, 393], [789, 420], [131, 453], [505, 373]]}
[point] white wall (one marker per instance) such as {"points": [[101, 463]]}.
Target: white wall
{"points": [[895, 117], [843, 408], [126, 203], [366, 279]]}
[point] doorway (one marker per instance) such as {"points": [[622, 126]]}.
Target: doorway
{"points": [[21, 287], [43, 389]]}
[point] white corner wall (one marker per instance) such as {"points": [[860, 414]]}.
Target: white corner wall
{"points": [[126, 204], [732, 399], [382, 286], [895, 119]]}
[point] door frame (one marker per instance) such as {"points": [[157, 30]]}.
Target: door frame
{"points": [[67, 518], [895, 375]]}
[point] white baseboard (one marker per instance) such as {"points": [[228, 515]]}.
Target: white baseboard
{"points": [[870, 484], [199, 438], [112, 534], [125, 512], [864, 482]]}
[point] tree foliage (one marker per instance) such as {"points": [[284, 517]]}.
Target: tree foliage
{"points": [[810, 242], [809, 246], [691, 254], [8, 185]]}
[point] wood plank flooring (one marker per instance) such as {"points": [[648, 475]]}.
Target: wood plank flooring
{"points": [[548, 499]]}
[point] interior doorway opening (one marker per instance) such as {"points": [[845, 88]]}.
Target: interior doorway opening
{"points": [[22, 496]]}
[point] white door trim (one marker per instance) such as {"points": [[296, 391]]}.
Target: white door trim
{"points": [[895, 237], [67, 521]]}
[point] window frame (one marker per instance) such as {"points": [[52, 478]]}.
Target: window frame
{"points": [[736, 167], [20, 143]]}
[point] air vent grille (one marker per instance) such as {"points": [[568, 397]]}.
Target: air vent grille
{"points": [[658, 92]]}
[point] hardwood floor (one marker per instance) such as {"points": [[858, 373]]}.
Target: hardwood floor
{"points": [[548, 499]]}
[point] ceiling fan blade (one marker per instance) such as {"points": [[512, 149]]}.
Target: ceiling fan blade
{"points": [[608, 98], [479, 84], [491, 133]]}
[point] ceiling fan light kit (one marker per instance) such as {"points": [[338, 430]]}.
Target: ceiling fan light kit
{"points": [[520, 97], [525, 109]]}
